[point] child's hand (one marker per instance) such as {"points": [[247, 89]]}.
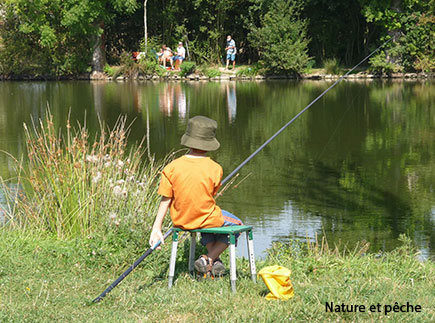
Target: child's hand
{"points": [[156, 235]]}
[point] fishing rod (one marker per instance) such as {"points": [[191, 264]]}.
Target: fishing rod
{"points": [[226, 179], [129, 270]]}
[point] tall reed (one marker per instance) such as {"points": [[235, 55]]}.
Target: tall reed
{"points": [[71, 185]]}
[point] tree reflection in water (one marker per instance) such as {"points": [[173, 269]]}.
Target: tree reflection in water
{"points": [[360, 164]]}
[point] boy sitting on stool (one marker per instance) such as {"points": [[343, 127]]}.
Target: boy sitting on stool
{"points": [[187, 186]]}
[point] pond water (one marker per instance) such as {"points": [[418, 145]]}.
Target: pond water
{"points": [[358, 165]]}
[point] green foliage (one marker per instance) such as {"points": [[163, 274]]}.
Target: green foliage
{"points": [[202, 53], [152, 48], [249, 71], [53, 38], [151, 67], [337, 29], [412, 23], [73, 186], [129, 68], [380, 65], [210, 17], [281, 39], [332, 66], [424, 63], [210, 72], [310, 64], [187, 68], [418, 42], [36, 43], [109, 70]]}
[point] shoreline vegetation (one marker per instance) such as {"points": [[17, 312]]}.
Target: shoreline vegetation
{"points": [[81, 214], [213, 73], [276, 38]]}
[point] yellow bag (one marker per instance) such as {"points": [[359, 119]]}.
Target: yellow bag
{"points": [[277, 279]]}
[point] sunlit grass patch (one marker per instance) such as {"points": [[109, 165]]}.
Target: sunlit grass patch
{"points": [[52, 280]]}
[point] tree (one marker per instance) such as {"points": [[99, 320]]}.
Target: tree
{"points": [[90, 18], [281, 38], [337, 29], [412, 24], [57, 37]]}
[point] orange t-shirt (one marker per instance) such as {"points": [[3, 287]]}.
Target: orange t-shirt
{"points": [[192, 182]]}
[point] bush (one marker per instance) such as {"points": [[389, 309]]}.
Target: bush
{"points": [[424, 64], [331, 66], [187, 68], [249, 71], [380, 65], [309, 67], [128, 67], [211, 72], [151, 67], [282, 38], [71, 186], [109, 70]]}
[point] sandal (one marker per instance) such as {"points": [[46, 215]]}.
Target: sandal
{"points": [[218, 268], [203, 264]]}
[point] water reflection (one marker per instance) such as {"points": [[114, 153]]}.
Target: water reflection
{"points": [[230, 89], [173, 96], [360, 164], [98, 96]]}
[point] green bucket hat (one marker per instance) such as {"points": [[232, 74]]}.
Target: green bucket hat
{"points": [[201, 134]]}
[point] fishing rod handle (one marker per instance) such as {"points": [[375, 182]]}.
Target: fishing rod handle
{"points": [[130, 269]]}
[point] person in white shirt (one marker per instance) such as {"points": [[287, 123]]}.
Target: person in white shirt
{"points": [[180, 55], [231, 52]]}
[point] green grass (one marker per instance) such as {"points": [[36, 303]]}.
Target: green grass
{"points": [[46, 280], [210, 72]]}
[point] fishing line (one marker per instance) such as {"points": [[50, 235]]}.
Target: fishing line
{"points": [[298, 115], [167, 234]]}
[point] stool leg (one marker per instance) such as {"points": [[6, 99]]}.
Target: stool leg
{"points": [[192, 251], [233, 263], [250, 240], [172, 262]]}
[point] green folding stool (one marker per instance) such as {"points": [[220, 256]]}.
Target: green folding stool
{"points": [[229, 230]]}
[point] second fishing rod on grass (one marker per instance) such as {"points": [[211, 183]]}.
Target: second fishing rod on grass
{"points": [[191, 181]]}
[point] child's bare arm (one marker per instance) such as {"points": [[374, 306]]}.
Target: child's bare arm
{"points": [[156, 233]]}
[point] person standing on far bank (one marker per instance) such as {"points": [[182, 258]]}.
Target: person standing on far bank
{"points": [[231, 52]]}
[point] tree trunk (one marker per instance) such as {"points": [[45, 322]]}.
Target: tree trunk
{"points": [[145, 25], [98, 54]]}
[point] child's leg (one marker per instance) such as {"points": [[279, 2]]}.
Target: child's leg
{"points": [[215, 244], [215, 249]]}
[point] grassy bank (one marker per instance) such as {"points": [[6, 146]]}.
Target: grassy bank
{"points": [[44, 280]]}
